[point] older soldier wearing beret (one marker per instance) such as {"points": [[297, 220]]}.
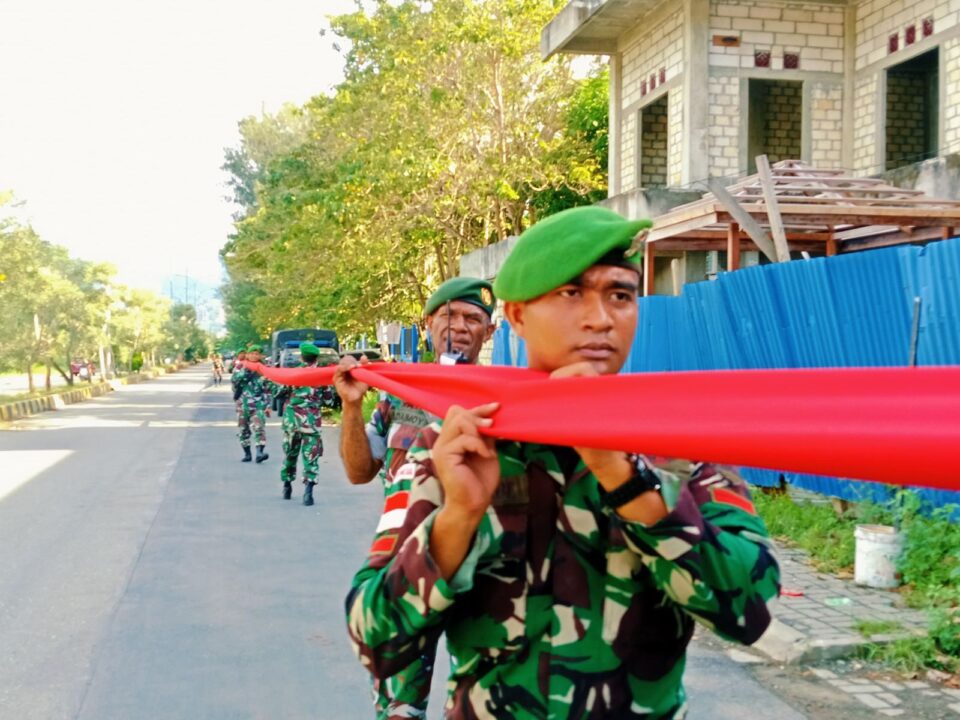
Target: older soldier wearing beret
{"points": [[301, 416], [458, 317], [567, 580]]}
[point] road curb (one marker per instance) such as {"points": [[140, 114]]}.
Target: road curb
{"points": [[788, 646], [57, 401]]}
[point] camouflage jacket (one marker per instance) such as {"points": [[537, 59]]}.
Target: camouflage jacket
{"points": [[255, 390], [302, 407], [562, 608], [391, 431]]}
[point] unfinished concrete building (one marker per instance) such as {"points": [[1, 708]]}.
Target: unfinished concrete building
{"points": [[699, 88]]}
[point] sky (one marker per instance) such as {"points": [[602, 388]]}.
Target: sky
{"points": [[114, 115]]}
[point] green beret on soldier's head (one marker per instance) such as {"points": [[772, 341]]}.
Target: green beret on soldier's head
{"points": [[466, 289], [308, 349], [562, 247]]}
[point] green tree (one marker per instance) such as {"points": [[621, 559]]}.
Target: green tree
{"points": [[448, 133]]}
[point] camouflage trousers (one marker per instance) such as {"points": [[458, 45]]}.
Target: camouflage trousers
{"points": [[252, 423], [296, 444]]}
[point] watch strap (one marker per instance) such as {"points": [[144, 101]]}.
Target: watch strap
{"points": [[643, 480]]}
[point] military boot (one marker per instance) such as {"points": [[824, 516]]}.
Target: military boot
{"points": [[246, 454], [287, 491], [261, 455], [308, 493]]}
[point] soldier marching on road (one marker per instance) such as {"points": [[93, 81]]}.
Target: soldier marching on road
{"points": [[567, 580], [301, 415], [252, 393], [458, 318]]}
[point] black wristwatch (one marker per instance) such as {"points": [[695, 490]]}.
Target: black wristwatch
{"points": [[643, 480]]}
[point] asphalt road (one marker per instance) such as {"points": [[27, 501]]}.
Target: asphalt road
{"points": [[146, 574]]}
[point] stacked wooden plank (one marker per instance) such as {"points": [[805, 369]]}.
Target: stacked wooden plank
{"points": [[795, 207]]}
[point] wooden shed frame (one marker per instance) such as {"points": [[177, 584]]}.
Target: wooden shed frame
{"points": [[795, 207]]}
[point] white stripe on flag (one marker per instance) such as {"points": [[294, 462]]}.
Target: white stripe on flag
{"points": [[392, 519]]}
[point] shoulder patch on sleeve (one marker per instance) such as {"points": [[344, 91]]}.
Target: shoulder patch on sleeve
{"points": [[725, 496], [384, 545]]}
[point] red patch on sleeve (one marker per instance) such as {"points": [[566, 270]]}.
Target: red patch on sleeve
{"points": [[384, 545], [725, 496], [397, 501]]}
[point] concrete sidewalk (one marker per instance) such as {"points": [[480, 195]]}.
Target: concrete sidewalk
{"points": [[818, 614]]}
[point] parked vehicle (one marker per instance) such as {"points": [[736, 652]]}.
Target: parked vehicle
{"points": [[283, 339], [372, 354]]}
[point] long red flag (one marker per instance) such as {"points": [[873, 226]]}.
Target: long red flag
{"points": [[894, 425]]}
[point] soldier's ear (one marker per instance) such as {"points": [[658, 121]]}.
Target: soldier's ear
{"points": [[513, 312]]}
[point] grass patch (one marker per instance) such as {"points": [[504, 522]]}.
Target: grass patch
{"points": [[826, 536], [929, 566], [909, 655], [869, 628]]}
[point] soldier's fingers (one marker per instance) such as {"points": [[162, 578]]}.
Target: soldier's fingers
{"points": [[347, 362], [482, 413], [580, 369], [466, 444], [462, 423]]}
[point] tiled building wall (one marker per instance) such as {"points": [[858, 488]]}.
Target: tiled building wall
{"points": [[644, 56], [653, 144], [675, 157], [658, 47], [865, 124], [813, 31], [826, 120], [628, 152], [724, 130], [907, 119], [884, 31], [780, 106], [878, 20], [951, 118]]}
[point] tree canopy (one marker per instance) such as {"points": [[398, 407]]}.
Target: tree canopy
{"points": [[58, 309], [448, 133]]}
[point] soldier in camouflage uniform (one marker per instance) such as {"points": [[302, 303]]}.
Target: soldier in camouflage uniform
{"points": [[235, 375], [567, 580], [253, 395], [460, 309], [301, 415]]}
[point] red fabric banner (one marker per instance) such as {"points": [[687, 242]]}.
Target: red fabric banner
{"points": [[893, 425]]}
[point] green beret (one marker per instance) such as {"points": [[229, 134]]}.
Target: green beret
{"points": [[561, 247], [254, 348], [308, 349], [466, 289]]}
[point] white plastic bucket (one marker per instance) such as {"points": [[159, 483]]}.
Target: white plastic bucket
{"points": [[877, 549]]}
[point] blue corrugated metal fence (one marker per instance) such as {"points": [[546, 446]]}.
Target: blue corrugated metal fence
{"points": [[853, 310]]}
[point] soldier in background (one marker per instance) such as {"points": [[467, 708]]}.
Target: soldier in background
{"points": [[252, 393], [567, 580], [235, 375], [217, 369], [458, 318], [301, 418]]}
